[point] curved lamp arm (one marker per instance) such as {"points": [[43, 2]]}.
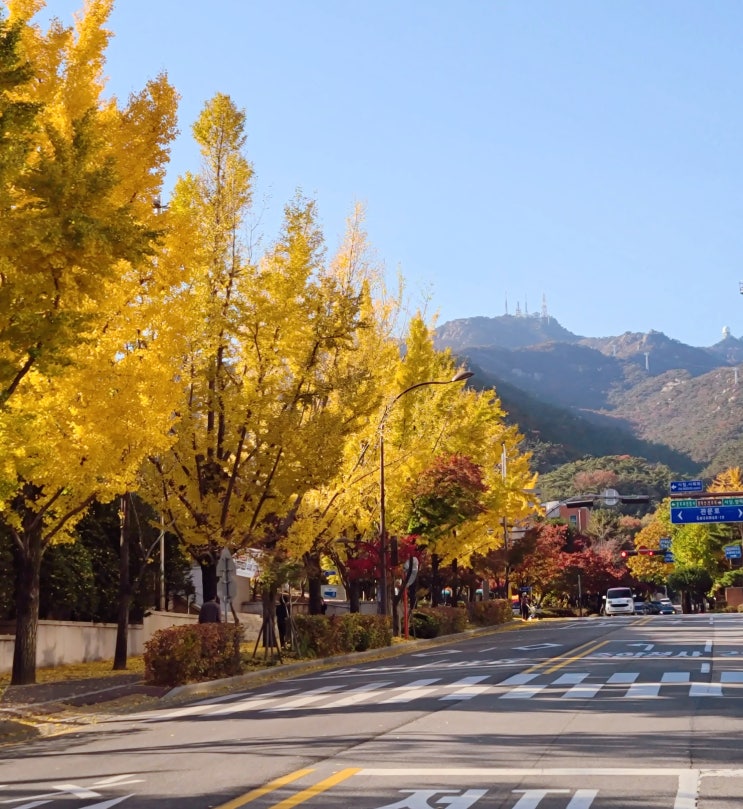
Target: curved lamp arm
{"points": [[384, 599]]}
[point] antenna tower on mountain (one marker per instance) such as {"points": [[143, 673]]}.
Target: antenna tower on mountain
{"points": [[545, 313], [506, 303]]}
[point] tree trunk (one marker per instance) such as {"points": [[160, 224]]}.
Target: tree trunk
{"points": [[354, 599], [125, 593], [208, 576], [267, 636], [27, 608], [314, 592], [435, 586]]}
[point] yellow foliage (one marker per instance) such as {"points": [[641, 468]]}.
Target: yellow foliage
{"points": [[730, 480]]}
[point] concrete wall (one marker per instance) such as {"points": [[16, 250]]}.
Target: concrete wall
{"points": [[64, 642], [60, 642]]}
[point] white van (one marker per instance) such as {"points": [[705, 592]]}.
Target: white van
{"points": [[619, 601]]}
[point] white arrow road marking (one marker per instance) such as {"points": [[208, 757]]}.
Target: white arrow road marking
{"points": [[72, 789], [32, 805], [119, 780], [537, 646], [646, 646]]}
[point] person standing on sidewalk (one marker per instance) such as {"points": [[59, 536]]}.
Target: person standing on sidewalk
{"points": [[282, 618], [525, 606], [210, 612]]}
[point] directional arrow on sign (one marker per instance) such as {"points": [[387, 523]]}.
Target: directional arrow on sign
{"points": [[681, 516]]}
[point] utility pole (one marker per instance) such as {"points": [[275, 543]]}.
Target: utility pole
{"points": [[504, 472]]}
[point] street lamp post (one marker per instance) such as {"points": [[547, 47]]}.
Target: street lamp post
{"points": [[383, 608]]}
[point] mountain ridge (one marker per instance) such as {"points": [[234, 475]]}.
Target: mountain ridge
{"points": [[678, 404]]}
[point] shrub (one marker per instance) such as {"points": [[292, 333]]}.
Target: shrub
{"points": [[424, 624], [555, 612], [193, 653], [325, 636], [490, 613], [439, 621]]}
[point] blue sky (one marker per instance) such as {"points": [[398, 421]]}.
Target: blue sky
{"points": [[586, 151]]}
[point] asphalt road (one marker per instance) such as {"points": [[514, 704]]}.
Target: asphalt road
{"points": [[616, 713]]}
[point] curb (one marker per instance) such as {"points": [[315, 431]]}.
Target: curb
{"points": [[281, 670]]}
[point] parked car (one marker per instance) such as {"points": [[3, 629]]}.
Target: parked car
{"points": [[642, 607], [662, 607]]}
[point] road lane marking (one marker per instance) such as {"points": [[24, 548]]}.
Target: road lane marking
{"points": [[579, 654], [314, 791], [271, 786]]}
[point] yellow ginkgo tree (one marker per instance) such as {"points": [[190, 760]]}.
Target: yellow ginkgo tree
{"points": [[86, 377], [271, 383]]}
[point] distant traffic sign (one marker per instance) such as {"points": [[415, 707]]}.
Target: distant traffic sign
{"points": [[732, 551], [687, 486], [707, 499], [680, 516], [668, 557], [664, 543]]}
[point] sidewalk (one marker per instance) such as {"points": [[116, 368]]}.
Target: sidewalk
{"points": [[29, 711]]}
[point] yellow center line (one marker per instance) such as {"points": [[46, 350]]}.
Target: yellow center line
{"points": [[265, 789], [312, 791], [566, 661], [582, 651]]}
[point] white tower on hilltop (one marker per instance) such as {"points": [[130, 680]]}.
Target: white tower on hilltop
{"points": [[725, 332]]}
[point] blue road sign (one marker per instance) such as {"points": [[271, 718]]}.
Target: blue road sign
{"points": [[668, 557], [680, 516], [687, 486], [732, 551], [664, 543]]}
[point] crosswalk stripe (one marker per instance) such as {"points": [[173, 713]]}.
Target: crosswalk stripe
{"points": [[705, 690], [407, 693], [307, 699], [523, 692], [518, 686], [623, 678], [357, 695], [467, 688]]}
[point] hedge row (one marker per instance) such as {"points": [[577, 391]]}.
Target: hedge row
{"points": [[321, 636], [200, 652], [194, 653]]}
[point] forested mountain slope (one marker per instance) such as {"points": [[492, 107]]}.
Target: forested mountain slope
{"points": [[639, 394]]}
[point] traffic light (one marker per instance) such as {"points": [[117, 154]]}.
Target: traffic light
{"points": [[654, 552]]}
